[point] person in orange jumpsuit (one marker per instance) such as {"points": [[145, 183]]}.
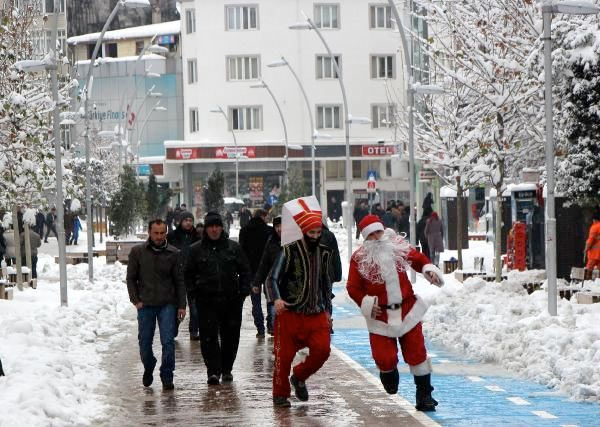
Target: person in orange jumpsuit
{"points": [[592, 245]]}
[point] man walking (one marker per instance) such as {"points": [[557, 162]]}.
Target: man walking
{"points": [[359, 213], [378, 283], [156, 288], [217, 277], [50, 224], [301, 291], [253, 239], [272, 249], [182, 238]]}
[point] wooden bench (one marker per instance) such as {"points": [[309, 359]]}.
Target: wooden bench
{"points": [[450, 266], [6, 291], [567, 292], [461, 276], [80, 257], [119, 250], [584, 297], [531, 287]]}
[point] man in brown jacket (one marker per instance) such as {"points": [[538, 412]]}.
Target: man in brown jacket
{"points": [[156, 288]]}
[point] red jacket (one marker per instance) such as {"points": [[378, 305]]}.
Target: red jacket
{"points": [[393, 323]]}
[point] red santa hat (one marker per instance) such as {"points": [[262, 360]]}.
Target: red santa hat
{"points": [[370, 224], [298, 217]]}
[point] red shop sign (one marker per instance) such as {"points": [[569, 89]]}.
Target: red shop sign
{"points": [[379, 150]]}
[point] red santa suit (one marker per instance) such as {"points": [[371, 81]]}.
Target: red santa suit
{"points": [[378, 275]]}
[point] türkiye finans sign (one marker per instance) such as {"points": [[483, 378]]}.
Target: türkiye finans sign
{"points": [[106, 115]]}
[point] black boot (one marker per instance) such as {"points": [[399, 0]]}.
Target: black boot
{"points": [[425, 402], [1, 371], [390, 381]]}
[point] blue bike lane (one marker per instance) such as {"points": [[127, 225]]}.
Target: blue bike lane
{"points": [[469, 393]]}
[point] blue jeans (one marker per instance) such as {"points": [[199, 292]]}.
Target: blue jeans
{"points": [[166, 316], [257, 313]]}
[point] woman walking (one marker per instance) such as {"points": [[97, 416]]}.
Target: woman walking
{"points": [[433, 232]]}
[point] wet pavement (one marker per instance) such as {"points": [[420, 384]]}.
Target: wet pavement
{"points": [[342, 393]]}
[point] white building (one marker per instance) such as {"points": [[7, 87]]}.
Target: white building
{"points": [[226, 47]]}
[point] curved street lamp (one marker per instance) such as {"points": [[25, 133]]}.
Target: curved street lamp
{"points": [[309, 25], [263, 85], [133, 4], [219, 110]]}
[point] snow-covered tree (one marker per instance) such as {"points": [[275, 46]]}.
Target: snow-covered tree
{"points": [[485, 46], [128, 204]]}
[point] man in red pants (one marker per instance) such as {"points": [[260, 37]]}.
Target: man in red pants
{"points": [[301, 290], [378, 283]]}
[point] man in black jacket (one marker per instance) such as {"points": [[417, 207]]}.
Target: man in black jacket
{"points": [[217, 277], [253, 238], [156, 288], [50, 224], [182, 238], [272, 249]]}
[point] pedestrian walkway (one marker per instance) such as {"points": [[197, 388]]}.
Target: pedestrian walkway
{"points": [[342, 393], [469, 393]]}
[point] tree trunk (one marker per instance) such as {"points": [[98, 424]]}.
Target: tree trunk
{"points": [[498, 235], [28, 250], [17, 247], [459, 222], [99, 220]]}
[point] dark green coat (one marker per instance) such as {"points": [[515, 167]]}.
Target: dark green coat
{"points": [[155, 278]]}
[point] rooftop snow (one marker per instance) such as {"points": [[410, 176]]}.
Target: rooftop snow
{"points": [[99, 61], [144, 31]]}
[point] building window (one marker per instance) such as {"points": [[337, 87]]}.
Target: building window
{"points": [[328, 117], [245, 118], [139, 47], [65, 136], [190, 21], [383, 66], [192, 71], [110, 50], [62, 40], [325, 67], [327, 16], [241, 17], [383, 115], [380, 16], [194, 120], [335, 169], [243, 68], [49, 6]]}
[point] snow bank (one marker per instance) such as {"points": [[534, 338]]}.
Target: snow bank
{"points": [[500, 323], [51, 354]]}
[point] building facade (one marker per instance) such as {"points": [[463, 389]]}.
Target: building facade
{"points": [[143, 94], [226, 48]]}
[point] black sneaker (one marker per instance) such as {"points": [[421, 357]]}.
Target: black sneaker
{"points": [[260, 334], [194, 337], [227, 378], [281, 402], [168, 385], [213, 380], [299, 388], [147, 378], [270, 332]]}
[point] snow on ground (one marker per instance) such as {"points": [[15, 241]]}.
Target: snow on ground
{"points": [[51, 354], [501, 323]]}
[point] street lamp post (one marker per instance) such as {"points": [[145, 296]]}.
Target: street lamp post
{"points": [[219, 110], [88, 191], [157, 107], [548, 8], [284, 63], [264, 85], [309, 25]]}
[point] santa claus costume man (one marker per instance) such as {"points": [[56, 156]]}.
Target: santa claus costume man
{"points": [[378, 283]]}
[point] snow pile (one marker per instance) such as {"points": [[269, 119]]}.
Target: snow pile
{"points": [[51, 354], [501, 323]]}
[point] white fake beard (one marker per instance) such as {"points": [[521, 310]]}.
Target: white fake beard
{"points": [[382, 258]]}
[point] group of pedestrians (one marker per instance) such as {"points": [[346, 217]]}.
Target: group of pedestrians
{"points": [[295, 262]]}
